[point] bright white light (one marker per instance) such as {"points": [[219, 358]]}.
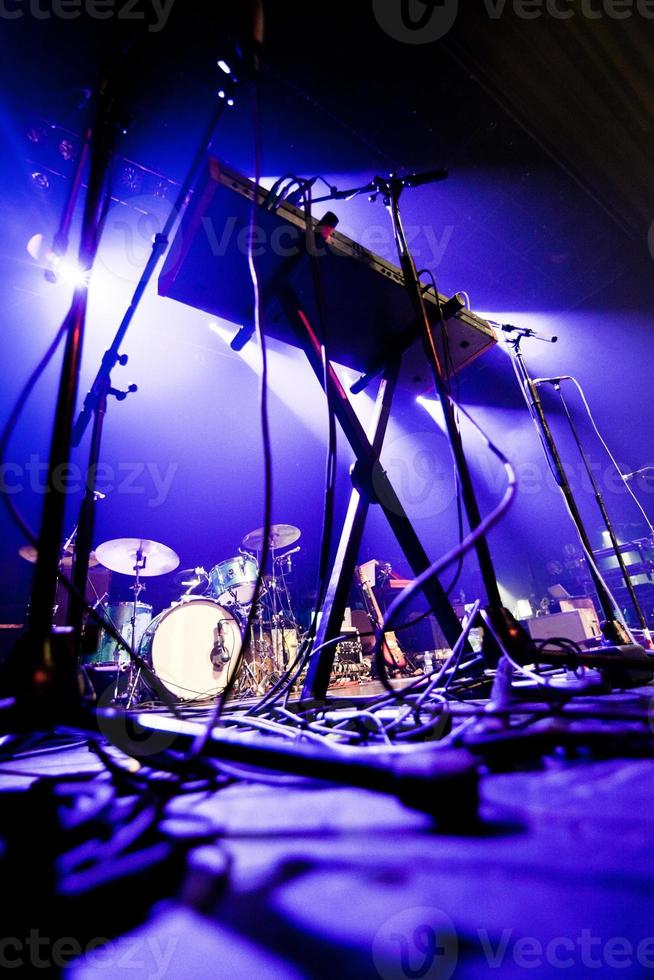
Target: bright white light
{"points": [[69, 272], [435, 409], [222, 331], [224, 67], [65, 270]]}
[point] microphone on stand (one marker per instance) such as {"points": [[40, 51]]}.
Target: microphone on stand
{"points": [[632, 476], [426, 177], [218, 655], [552, 381], [523, 331]]}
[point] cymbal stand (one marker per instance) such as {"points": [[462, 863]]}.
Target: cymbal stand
{"points": [[134, 674]]}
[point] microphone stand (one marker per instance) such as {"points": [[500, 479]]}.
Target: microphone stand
{"points": [[612, 629], [605, 514], [95, 403], [41, 671], [504, 633]]}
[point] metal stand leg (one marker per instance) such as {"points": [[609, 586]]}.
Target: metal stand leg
{"points": [[371, 485]]}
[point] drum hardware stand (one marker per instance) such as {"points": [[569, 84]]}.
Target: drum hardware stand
{"points": [[612, 629], [602, 506], [137, 588]]}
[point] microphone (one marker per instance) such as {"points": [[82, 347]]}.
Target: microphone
{"points": [[426, 177], [552, 381], [293, 551], [632, 476], [523, 331], [218, 655]]}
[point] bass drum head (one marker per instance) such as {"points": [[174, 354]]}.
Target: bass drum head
{"points": [[193, 648]]}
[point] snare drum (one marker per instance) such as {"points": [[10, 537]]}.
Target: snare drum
{"points": [[233, 581], [119, 614], [193, 648]]}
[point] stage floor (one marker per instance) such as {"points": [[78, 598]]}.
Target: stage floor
{"points": [[301, 879]]}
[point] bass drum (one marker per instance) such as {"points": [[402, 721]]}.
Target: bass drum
{"points": [[193, 648]]}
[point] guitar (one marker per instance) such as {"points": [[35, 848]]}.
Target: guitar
{"points": [[391, 649]]}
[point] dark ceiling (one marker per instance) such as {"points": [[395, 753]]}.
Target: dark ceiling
{"points": [[551, 118]]}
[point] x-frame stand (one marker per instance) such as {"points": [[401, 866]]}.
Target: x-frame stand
{"points": [[370, 485]]}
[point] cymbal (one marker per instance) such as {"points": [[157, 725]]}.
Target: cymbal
{"points": [[30, 553], [281, 535], [120, 555], [191, 577]]}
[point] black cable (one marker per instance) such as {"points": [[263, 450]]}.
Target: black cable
{"points": [[284, 686], [450, 372], [438, 566], [201, 742], [331, 462]]}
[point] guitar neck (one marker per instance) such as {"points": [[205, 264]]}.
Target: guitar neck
{"points": [[392, 651]]}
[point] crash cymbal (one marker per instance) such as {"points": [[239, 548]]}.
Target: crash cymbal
{"points": [[30, 553], [121, 554], [281, 535]]}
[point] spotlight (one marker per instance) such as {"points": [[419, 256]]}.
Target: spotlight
{"points": [[224, 66], [40, 181], [57, 267], [67, 150], [69, 272]]}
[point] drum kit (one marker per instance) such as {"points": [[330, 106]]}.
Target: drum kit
{"points": [[193, 646]]}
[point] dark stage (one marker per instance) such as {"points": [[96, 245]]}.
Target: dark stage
{"points": [[326, 471]]}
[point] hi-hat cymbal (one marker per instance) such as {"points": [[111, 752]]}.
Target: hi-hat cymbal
{"points": [[281, 535], [122, 554], [191, 577], [30, 553]]}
